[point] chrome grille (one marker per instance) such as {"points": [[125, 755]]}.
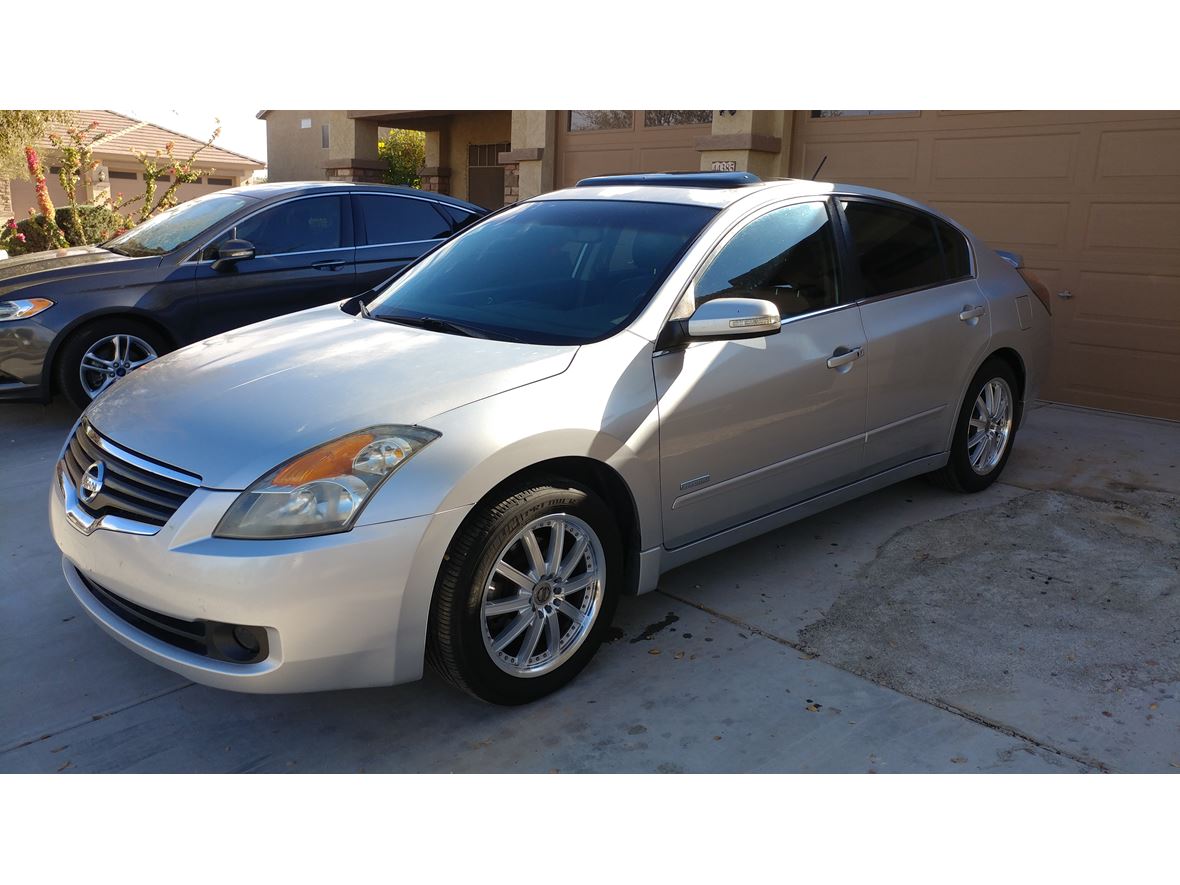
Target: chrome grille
{"points": [[133, 487]]}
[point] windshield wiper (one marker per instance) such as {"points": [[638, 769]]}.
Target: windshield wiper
{"points": [[435, 324], [119, 250]]}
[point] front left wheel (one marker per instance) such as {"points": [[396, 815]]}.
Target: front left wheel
{"points": [[101, 352], [525, 594]]}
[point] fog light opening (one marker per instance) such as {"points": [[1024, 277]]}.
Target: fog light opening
{"points": [[245, 637]]}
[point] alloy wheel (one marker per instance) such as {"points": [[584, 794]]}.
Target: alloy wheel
{"points": [[990, 426], [543, 595], [109, 359]]}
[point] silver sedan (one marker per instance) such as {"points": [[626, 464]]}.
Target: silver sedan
{"points": [[573, 396]]}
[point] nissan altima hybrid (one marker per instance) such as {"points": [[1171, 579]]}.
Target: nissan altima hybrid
{"points": [[544, 414]]}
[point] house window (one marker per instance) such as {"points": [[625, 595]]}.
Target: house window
{"points": [[677, 118], [324, 136], [116, 175], [305, 123], [588, 121], [55, 170], [164, 178], [223, 182], [818, 114]]}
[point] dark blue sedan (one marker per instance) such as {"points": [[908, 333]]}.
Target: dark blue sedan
{"points": [[74, 321]]}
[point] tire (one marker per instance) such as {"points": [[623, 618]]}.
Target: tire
{"points": [[463, 634], [100, 336], [959, 474]]}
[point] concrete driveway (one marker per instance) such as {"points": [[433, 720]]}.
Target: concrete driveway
{"points": [[1033, 627]]}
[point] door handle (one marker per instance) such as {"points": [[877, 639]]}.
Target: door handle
{"points": [[970, 313], [329, 265], [843, 359]]}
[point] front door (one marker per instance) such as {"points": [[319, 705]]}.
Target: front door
{"points": [[303, 258], [751, 426]]}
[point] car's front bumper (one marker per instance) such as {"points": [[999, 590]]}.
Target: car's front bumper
{"points": [[340, 611], [24, 347]]}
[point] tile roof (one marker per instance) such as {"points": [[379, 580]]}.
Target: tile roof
{"points": [[128, 135]]}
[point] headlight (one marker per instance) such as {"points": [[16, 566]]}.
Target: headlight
{"points": [[23, 308], [324, 489]]}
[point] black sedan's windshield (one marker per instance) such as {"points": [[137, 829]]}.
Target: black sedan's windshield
{"points": [[550, 272], [176, 226]]}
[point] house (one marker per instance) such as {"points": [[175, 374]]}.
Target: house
{"points": [[1091, 199], [121, 171]]}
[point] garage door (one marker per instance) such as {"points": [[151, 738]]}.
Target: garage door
{"points": [[615, 142], [1092, 201]]}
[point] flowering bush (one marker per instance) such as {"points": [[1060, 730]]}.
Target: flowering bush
{"points": [[47, 220], [79, 224]]}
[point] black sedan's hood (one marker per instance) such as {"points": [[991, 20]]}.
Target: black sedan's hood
{"points": [[56, 264]]}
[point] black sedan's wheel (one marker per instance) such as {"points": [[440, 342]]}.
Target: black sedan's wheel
{"points": [[985, 431], [525, 594], [100, 353]]}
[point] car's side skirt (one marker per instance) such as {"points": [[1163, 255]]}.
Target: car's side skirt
{"points": [[657, 560]]}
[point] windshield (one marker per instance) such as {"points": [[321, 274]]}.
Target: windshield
{"points": [[176, 226], [549, 272]]}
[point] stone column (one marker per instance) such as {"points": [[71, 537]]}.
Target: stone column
{"points": [[532, 154], [354, 147], [435, 173], [753, 141], [436, 179]]}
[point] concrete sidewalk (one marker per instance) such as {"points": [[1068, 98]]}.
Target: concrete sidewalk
{"points": [[912, 630]]}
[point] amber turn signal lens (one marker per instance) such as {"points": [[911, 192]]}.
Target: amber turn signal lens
{"points": [[334, 459]]}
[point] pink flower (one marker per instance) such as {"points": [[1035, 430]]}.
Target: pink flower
{"points": [[20, 237]]}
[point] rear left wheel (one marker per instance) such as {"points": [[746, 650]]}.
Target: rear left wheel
{"points": [[526, 594], [985, 431]]}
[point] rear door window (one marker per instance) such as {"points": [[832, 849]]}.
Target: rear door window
{"points": [[400, 220], [896, 248]]}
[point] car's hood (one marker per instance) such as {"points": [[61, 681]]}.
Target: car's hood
{"points": [[233, 407], [39, 267]]}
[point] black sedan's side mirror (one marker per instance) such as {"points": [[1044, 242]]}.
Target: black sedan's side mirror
{"points": [[231, 252]]}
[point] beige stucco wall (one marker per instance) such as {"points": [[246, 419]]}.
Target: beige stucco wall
{"points": [[295, 154]]}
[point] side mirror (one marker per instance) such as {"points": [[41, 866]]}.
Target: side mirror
{"points": [[726, 318], [231, 252]]}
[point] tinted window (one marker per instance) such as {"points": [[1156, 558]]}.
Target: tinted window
{"points": [[550, 272], [954, 251], [787, 256], [400, 220], [459, 217], [897, 248], [308, 225]]}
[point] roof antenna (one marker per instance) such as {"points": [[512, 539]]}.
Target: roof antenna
{"points": [[819, 167]]}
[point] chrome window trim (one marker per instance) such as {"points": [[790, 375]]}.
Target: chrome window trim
{"points": [[268, 206], [400, 243], [189, 479]]}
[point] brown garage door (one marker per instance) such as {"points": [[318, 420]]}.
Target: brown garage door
{"points": [[615, 142], [1092, 201]]}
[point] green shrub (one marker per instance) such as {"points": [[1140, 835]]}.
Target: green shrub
{"points": [[99, 224]]}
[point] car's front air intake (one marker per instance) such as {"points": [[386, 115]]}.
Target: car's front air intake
{"points": [[112, 481]]}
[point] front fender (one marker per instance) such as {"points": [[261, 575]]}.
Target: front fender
{"points": [[603, 408]]}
